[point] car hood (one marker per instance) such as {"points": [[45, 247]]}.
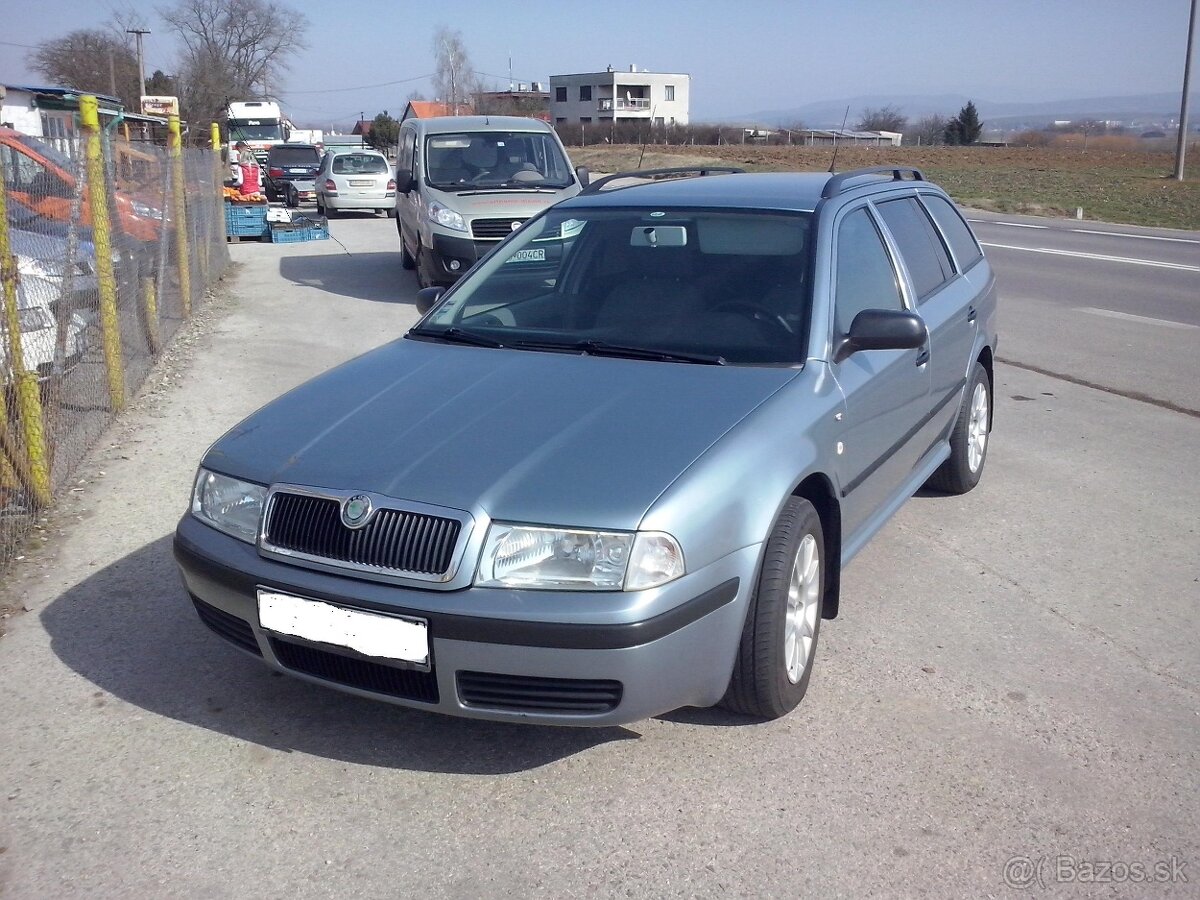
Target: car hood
{"points": [[522, 436]]}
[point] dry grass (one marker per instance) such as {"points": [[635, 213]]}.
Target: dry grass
{"points": [[1112, 184]]}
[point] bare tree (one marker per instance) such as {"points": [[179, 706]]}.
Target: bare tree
{"points": [[454, 81], [90, 60], [884, 118], [929, 131], [232, 49]]}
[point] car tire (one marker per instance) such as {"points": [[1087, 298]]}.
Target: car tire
{"points": [[292, 200], [391, 213], [406, 259], [969, 439], [779, 639]]}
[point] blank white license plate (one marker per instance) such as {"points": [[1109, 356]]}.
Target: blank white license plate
{"points": [[359, 182], [534, 254], [371, 634]]}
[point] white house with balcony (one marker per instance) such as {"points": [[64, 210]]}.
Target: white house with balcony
{"points": [[611, 95]]}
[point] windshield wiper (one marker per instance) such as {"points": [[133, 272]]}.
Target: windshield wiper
{"points": [[602, 348], [455, 335]]}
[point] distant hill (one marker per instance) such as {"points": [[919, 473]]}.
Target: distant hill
{"points": [[830, 113]]}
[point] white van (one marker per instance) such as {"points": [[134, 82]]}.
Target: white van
{"points": [[464, 183]]}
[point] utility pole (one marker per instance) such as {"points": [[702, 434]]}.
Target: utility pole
{"points": [[1181, 146], [138, 32]]}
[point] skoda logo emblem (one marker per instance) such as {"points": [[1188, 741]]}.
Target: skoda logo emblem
{"points": [[514, 226], [356, 511]]}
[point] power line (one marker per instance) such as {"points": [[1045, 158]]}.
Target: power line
{"points": [[11, 44], [362, 87]]}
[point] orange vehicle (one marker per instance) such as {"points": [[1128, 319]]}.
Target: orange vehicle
{"points": [[44, 180]]}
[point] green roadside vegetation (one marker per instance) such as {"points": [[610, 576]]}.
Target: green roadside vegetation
{"points": [[1129, 186]]}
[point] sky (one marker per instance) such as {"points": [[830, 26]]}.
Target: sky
{"points": [[743, 56]]}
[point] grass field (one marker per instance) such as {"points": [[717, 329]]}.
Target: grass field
{"points": [[1132, 187]]}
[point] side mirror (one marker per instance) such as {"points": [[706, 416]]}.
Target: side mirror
{"points": [[882, 329], [584, 176], [404, 181], [426, 297]]}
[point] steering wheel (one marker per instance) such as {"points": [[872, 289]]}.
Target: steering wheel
{"points": [[757, 312]]}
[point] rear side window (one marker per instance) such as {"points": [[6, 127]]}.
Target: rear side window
{"points": [[927, 260], [865, 277], [958, 233]]}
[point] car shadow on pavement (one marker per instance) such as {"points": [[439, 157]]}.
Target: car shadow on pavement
{"points": [[130, 629], [377, 276]]}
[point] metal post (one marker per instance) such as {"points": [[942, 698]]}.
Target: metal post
{"points": [[1181, 147], [180, 217], [89, 119], [36, 475]]}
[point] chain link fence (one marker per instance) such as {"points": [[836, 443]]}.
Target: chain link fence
{"points": [[106, 246]]}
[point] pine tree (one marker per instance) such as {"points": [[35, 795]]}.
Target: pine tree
{"points": [[964, 128]]}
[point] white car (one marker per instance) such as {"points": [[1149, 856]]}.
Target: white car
{"points": [[355, 179], [41, 287]]}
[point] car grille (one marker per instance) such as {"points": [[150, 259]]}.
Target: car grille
{"points": [[526, 693], [407, 684], [394, 540], [491, 229], [236, 631]]}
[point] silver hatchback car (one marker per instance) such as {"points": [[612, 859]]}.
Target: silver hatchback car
{"points": [[620, 466], [355, 179]]}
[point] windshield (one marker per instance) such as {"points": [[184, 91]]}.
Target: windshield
{"points": [[259, 132], [495, 159], [359, 164], [46, 151], [690, 285], [294, 156]]}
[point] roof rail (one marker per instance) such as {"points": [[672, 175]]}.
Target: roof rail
{"points": [[661, 175], [835, 185]]}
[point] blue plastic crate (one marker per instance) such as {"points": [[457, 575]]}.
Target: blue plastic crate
{"points": [[245, 220], [293, 234]]}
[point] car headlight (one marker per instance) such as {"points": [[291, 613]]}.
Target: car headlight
{"points": [[145, 211], [41, 268], [229, 505], [534, 556], [446, 217]]}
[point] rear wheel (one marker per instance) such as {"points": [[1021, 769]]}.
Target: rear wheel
{"points": [[779, 640], [969, 439]]}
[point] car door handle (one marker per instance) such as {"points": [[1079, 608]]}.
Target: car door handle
{"points": [[923, 356], [971, 314]]}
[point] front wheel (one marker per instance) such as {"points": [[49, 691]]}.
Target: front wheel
{"points": [[779, 640], [969, 439], [406, 259]]}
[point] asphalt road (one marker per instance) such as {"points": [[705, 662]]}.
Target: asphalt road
{"points": [[1112, 306], [1011, 688]]}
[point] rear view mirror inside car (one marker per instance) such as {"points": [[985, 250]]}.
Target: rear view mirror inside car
{"points": [[659, 236]]}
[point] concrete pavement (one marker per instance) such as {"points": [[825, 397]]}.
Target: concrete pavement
{"points": [[1014, 676]]}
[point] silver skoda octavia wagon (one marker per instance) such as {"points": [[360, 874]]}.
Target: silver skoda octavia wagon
{"points": [[619, 467]]}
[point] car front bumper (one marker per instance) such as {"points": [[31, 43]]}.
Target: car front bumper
{"points": [[523, 669], [453, 256]]}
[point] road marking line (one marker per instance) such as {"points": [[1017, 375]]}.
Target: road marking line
{"points": [[1009, 224], [1130, 317], [1140, 237], [1099, 256]]}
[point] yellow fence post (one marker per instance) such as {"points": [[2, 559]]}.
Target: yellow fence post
{"points": [[218, 184], [150, 307], [28, 396], [89, 118], [181, 235]]}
